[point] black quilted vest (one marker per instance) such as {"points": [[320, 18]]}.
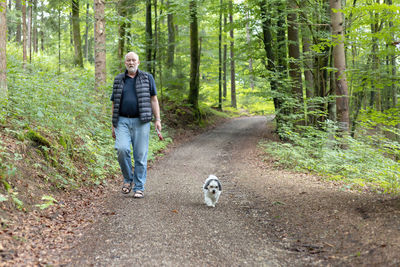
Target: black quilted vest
{"points": [[142, 92]]}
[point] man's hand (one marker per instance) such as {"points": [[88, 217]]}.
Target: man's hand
{"points": [[113, 132]]}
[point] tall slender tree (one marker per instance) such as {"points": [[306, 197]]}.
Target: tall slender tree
{"points": [[339, 60], [149, 38], [225, 57], [194, 59], [3, 55], [86, 46], [171, 36], [122, 8], [233, 73], [294, 55], [24, 42], [78, 58], [100, 43], [220, 57], [18, 8]]}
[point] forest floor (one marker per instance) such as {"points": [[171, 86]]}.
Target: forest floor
{"points": [[266, 215]]}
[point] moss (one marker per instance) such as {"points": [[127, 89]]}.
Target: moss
{"points": [[38, 139]]}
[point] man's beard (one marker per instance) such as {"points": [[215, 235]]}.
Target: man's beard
{"points": [[132, 69]]}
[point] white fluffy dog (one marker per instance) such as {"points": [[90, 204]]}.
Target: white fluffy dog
{"points": [[212, 190]]}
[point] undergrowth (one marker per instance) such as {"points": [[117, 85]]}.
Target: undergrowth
{"points": [[361, 162], [64, 120]]}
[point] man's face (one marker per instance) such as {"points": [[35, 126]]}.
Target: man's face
{"points": [[132, 62]]}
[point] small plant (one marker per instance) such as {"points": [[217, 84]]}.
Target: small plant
{"points": [[48, 202]]}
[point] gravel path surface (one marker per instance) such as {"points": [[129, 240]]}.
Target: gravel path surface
{"points": [[171, 226]]}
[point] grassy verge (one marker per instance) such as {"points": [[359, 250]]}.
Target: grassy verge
{"points": [[363, 164]]}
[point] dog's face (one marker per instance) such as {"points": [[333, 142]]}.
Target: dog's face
{"points": [[213, 187]]}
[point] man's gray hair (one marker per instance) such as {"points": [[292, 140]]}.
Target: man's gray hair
{"points": [[132, 53]]}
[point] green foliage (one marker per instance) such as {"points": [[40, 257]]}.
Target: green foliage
{"points": [[360, 164], [48, 202]]}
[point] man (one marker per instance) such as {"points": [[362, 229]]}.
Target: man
{"points": [[134, 101]]}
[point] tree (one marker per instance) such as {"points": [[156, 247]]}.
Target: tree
{"points": [[194, 59], [171, 36], [99, 44], [24, 57], [78, 59], [122, 9], [294, 55], [3, 56], [233, 80], [339, 60], [18, 7], [149, 38], [220, 58]]}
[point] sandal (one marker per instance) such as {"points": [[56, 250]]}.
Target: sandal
{"points": [[138, 194], [126, 188]]}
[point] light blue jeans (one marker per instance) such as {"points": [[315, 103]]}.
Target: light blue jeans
{"points": [[131, 131]]}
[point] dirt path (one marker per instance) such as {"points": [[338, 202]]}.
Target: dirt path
{"points": [[265, 217]]}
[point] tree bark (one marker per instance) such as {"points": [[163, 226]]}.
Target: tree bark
{"points": [[171, 36], [225, 57], [194, 59], [232, 49], [99, 44], [35, 28], [78, 59], [30, 30], [220, 58], [308, 77], [122, 12], [294, 55], [270, 65], [3, 55], [342, 100], [248, 39], [149, 37], [18, 7], [155, 45], [24, 56], [86, 47]]}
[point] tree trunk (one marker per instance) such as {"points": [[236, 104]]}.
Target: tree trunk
{"points": [[270, 66], [342, 100], [294, 55], [99, 44], [220, 58], [171, 37], [225, 58], [42, 31], [308, 77], [122, 12], [281, 60], [35, 31], [24, 57], [194, 59], [149, 37], [18, 7], [86, 48], [233, 73], [155, 46], [30, 30], [248, 39], [3, 55], [78, 59]]}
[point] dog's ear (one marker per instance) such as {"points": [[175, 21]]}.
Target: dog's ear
{"points": [[219, 186], [207, 184]]}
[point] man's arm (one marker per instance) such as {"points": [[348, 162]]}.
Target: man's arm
{"points": [[156, 111]]}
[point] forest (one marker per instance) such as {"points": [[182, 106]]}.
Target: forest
{"points": [[323, 72], [326, 70]]}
